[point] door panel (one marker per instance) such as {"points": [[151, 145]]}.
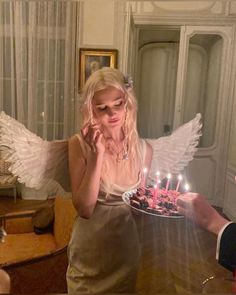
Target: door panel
{"points": [[158, 68], [205, 89], [201, 93]]}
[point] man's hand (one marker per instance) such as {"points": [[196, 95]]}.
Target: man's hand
{"points": [[196, 208]]}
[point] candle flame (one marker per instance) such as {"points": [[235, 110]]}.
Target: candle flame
{"points": [[158, 173], [155, 186], [169, 176], [145, 170], [187, 187], [180, 177]]}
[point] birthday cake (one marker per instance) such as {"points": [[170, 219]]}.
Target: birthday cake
{"points": [[158, 199], [156, 202]]}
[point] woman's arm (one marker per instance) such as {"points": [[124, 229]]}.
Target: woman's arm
{"points": [[85, 176]]}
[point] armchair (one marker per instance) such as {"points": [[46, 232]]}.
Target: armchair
{"points": [[38, 263]]}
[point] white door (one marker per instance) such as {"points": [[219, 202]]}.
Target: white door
{"points": [[158, 62], [202, 85]]}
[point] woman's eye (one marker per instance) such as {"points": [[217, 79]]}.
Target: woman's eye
{"points": [[102, 108], [118, 104]]}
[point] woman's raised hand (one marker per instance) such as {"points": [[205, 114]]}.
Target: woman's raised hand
{"points": [[93, 136]]}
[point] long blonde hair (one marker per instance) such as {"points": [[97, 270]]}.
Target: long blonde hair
{"points": [[109, 77]]}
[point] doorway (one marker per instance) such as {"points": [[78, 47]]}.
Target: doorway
{"points": [[181, 72]]}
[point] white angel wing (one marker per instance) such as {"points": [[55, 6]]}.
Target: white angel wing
{"points": [[172, 153], [36, 162]]}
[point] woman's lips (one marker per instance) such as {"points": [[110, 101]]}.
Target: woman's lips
{"points": [[113, 120]]}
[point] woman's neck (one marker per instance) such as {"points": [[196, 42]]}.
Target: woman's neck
{"points": [[116, 135]]}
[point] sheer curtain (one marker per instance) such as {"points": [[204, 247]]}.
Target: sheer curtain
{"points": [[38, 64]]}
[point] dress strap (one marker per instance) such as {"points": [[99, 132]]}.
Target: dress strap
{"points": [[143, 149]]}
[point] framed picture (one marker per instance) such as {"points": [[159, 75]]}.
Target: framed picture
{"points": [[95, 59]]}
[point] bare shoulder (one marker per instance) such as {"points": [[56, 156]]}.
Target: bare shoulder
{"points": [[75, 145], [73, 140]]}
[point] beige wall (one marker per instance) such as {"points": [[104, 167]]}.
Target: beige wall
{"points": [[98, 23]]}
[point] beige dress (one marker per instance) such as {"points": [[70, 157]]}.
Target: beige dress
{"points": [[104, 250]]}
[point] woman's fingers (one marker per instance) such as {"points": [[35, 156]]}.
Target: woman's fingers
{"points": [[92, 135], [88, 130], [84, 129], [99, 137], [95, 134]]}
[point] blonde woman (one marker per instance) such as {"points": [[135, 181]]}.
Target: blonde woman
{"points": [[105, 160]]}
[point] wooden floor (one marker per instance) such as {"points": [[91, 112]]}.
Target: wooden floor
{"points": [[177, 256]]}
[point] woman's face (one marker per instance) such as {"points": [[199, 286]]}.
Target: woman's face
{"points": [[109, 107]]}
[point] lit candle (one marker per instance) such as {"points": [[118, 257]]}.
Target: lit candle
{"points": [[187, 187], [155, 192], [168, 181], [143, 184], [157, 179], [180, 177], [156, 188]]}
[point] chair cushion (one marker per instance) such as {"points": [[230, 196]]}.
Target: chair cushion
{"points": [[18, 247], [43, 217]]}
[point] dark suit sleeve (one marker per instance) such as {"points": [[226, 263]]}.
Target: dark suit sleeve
{"points": [[227, 253]]}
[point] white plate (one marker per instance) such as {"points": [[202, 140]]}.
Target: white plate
{"points": [[126, 198]]}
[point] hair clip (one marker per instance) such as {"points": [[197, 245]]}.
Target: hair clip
{"points": [[128, 81]]}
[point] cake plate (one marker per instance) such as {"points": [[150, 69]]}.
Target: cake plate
{"points": [[126, 198]]}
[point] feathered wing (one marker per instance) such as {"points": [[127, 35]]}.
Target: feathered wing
{"points": [[36, 162], [172, 153]]}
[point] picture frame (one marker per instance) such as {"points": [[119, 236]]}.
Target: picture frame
{"points": [[91, 60]]}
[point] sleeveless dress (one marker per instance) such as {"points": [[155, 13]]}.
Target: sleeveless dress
{"points": [[104, 251]]}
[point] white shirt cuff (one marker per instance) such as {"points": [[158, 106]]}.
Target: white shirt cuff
{"points": [[219, 238]]}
